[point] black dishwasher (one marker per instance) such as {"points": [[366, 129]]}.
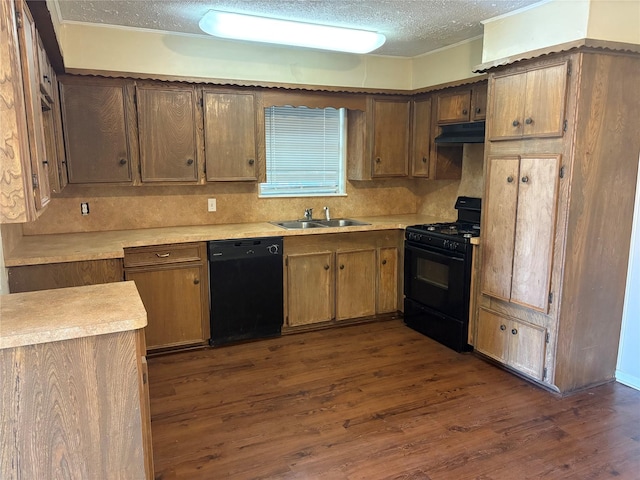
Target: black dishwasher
{"points": [[245, 279]]}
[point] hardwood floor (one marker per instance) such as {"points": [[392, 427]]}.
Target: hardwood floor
{"points": [[378, 401]]}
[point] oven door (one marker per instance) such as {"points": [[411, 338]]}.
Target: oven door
{"points": [[436, 279]]}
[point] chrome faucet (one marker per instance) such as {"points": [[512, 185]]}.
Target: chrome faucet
{"points": [[326, 213], [308, 213]]}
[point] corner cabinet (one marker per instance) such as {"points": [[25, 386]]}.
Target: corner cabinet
{"points": [[560, 177]]}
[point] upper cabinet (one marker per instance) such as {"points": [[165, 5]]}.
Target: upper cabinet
{"points": [[168, 134], [529, 103], [378, 139], [462, 105], [99, 130], [421, 137], [230, 135]]}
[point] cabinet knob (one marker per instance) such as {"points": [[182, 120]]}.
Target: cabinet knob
{"points": [[514, 331], [525, 179], [424, 159], [510, 179], [163, 255], [45, 163], [515, 123], [384, 262], [478, 110], [503, 327], [251, 161], [529, 121], [341, 267], [123, 161], [378, 160], [196, 281], [465, 111], [190, 161], [326, 267]]}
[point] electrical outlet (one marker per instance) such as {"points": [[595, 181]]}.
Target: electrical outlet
{"points": [[211, 205], [84, 208]]}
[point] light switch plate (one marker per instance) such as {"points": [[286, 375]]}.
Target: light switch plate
{"points": [[211, 205]]}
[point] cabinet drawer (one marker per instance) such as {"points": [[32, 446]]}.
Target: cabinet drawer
{"points": [[162, 255]]}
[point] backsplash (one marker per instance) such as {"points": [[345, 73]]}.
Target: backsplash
{"points": [[121, 208]]}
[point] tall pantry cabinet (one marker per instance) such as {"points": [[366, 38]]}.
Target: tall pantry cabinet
{"points": [[561, 161]]}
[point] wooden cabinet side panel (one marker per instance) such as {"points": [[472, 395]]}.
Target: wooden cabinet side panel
{"points": [[310, 288], [355, 284], [15, 169], [498, 225], [30, 278], [229, 136], [168, 134], [72, 409], [96, 132], [387, 280], [535, 231]]}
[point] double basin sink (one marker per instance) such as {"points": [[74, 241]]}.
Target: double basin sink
{"points": [[336, 222]]}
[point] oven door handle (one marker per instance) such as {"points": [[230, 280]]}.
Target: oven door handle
{"points": [[446, 255]]}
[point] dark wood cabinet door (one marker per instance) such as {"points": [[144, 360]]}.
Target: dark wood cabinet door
{"points": [[479, 102], [454, 107], [230, 136], [421, 138], [543, 112], [167, 129], [390, 137], [505, 118], [97, 120]]}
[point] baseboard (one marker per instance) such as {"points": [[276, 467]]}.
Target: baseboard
{"points": [[628, 380]]}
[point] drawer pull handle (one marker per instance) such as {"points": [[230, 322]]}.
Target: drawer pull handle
{"points": [[251, 161], [529, 121], [163, 255], [123, 161], [326, 267], [525, 179], [384, 262], [424, 159], [196, 281], [503, 327], [378, 160], [514, 331], [341, 267], [478, 110], [510, 179], [465, 111], [515, 123], [190, 161]]}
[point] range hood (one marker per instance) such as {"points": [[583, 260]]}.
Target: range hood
{"points": [[461, 133]]}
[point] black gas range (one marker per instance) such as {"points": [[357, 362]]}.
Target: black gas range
{"points": [[438, 275]]}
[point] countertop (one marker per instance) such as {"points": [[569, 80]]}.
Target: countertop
{"points": [[73, 247], [62, 314]]}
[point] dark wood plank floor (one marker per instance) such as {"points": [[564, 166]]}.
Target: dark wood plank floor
{"points": [[378, 401]]}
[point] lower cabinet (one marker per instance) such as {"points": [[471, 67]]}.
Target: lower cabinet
{"points": [[340, 277], [173, 283], [515, 343]]}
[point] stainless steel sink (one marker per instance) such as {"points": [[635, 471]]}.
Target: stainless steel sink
{"points": [[337, 222]]}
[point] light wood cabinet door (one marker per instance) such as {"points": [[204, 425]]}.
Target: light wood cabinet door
{"points": [[518, 344], [387, 280], [421, 137], [173, 298], [535, 231], [454, 107], [520, 207], [499, 223], [529, 104], [355, 284], [310, 288], [97, 122], [28, 40], [167, 129], [230, 136], [390, 150]]}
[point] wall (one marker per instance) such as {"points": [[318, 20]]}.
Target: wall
{"points": [[614, 20], [628, 369]]}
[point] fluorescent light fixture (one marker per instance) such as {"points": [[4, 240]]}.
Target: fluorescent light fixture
{"points": [[283, 32]]}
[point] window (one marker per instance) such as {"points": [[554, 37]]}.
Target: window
{"points": [[305, 152]]}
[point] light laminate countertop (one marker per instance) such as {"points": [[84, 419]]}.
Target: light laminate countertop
{"points": [[65, 313], [73, 247]]}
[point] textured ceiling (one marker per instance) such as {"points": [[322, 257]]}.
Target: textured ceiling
{"points": [[412, 27]]}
